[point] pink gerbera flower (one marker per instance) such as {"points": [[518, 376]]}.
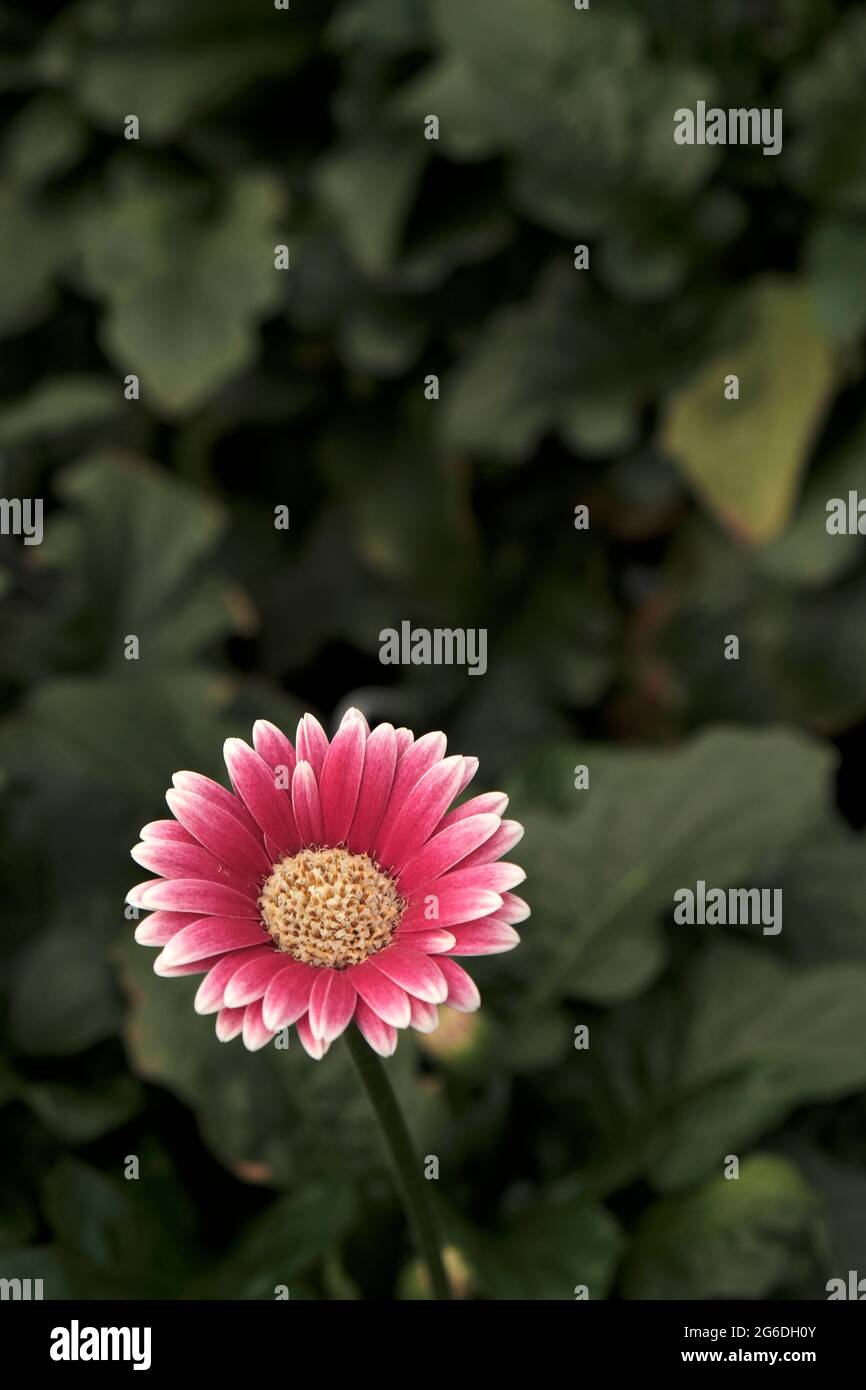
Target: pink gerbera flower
{"points": [[332, 884]]}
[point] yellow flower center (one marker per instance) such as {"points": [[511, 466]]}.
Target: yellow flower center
{"points": [[330, 907]]}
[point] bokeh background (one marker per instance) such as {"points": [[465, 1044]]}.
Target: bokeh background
{"points": [[558, 388]]}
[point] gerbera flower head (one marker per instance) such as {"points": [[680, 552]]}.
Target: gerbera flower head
{"points": [[334, 883]]}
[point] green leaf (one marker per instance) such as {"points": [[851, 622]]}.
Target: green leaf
{"points": [[745, 457], [185, 284], [639, 268], [117, 743], [369, 187], [822, 881], [80, 1114], [44, 140], [60, 404], [136, 545], [295, 1231], [553, 1248], [31, 242], [380, 339], [584, 117], [559, 361], [841, 1192], [827, 157], [122, 738], [402, 524], [448, 85], [714, 1059], [390, 26], [63, 999], [836, 266], [560, 1241], [448, 238], [119, 1237], [804, 648], [806, 553], [167, 64], [604, 863], [731, 1238]]}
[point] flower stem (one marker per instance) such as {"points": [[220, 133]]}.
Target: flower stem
{"points": [[411, 1182]]}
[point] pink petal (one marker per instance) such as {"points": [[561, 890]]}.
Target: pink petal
{"points": [[189, 967], [313, 1046], [312, 743], [211, 936], [462, 989], [339, 783], [381, 994], [376, 780], [412, 971], [160, 927], [197, 895], [268, 804], [507, 836], [431, 942], [452, 906], [135, 896], [172, 859], [485, 938], [306, 805], [470, 767], [217, 795], [497, 878], [256, 1035], [421, 812], [492, 803], [220, 832], [211, 991], [287, 996], [513, 909], [273, 851], [405, 738], [332, 1003], [379, 1034], [425, 1017], [167, 830], [418, 758], [354, 713], [445, 849], [229, 1023], [252, 979], [272, 745]]}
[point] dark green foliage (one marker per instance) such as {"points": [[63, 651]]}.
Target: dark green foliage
{"points": [[561, 1167]]}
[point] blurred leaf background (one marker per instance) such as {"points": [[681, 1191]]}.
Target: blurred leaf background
{"points": [[305, 388]]}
